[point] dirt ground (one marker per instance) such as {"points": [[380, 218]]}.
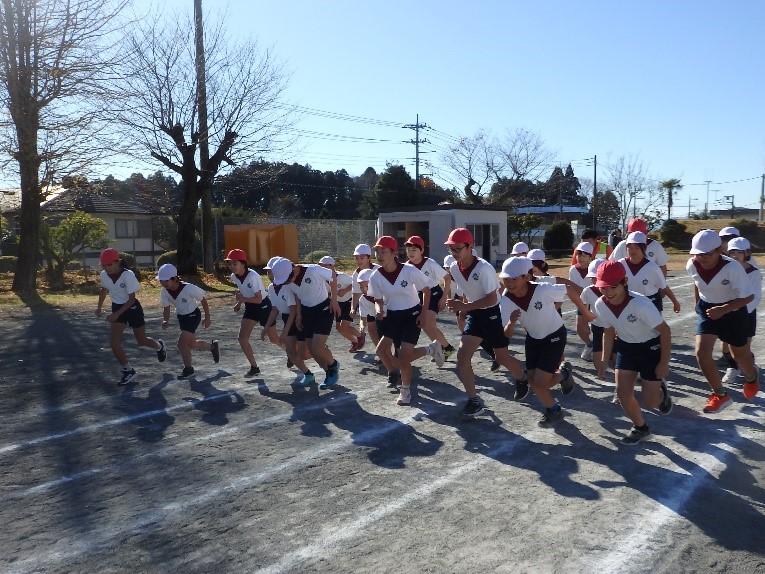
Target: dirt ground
{"points": [[222, 473]]}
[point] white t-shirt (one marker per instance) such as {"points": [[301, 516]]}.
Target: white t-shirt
{"points": [[282, 299], [344, 280], [186, 299], [578, 278], [539, 316], [398, 290], [726, 282], [121, 289], [634, 322], [653, 251], [367, 307], [589, 296], [250, 285], [755, 284], [475, 282], [313, 286], [432, 270], [355, 278], [645, 278]]}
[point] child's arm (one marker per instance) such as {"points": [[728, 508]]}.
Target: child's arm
{"points": [[257, 299], [671, 296], [568, 283], [116, 314], [510, 327], [101, 298], [344, 291], [608, 344], [165, 316], [576, 300], [206, 309], [447, 290], [289, 322], [355, 303], [270, 321], [333, 295]]}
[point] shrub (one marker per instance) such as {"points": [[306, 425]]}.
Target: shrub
{"points": [[314, 256], [167, 257], [753, 232], [559, 237], [674, 234], [7, 264]]}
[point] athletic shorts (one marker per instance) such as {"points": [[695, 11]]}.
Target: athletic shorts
{"points": [[191, 321], [435, 296], [731, 328], [640, 358], [752, 325], [133, 317], [401, 326], [345, 312], [371, 318], [487, 325], [258, 312], [293, 332], [546, 354], [658, 300], [317, 320], [597, 338]]}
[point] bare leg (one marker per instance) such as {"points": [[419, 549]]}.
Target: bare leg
{"points": [[116, 341], [468, 346], [245, 330]]}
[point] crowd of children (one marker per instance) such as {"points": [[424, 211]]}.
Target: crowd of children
{"points": [[618, 300]]}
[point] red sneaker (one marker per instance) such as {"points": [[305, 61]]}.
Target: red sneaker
{"points": [[716, 403], [751, 389]]}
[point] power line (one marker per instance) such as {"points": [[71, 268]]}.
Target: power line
{"points": [[340, 116], [339, 137]]}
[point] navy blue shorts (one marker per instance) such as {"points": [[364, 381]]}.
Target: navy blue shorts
{"points": [[133, 317], [487, 325], [317, 320], [435, 296], [258, 312], [546, 354], [731, 328], [597, 338], [191, 321], [640, 358], [752, 326], [345, 312], [658, 300], [401, 326], [371, 319], [293, 332]]}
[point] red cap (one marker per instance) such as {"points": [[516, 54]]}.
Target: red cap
{"points": [[637, 224], [610, 274], [387, 242], [237, 255], [417, 241], [109, 256], [460, 235]]}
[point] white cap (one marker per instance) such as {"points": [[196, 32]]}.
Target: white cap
{"points": [[536, 255], [167, 271], [520, 248], [585, 246], [515, 267], [365, 274], [448, 260], [363, 249], [739, 244], [592, 268], [705, 241], [636, 237], [270, 264], [725, 231], [281, 271], [327, 260]]}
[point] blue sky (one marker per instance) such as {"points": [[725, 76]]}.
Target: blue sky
{"points": [[679, 83]]}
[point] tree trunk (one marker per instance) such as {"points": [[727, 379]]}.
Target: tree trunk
{"points": [[207, 230], [204, 147], [25, 278], [187, 227]]}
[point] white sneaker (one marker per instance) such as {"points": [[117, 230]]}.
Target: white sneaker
{"points": [[587, 353], [404, 396], [730, 375], [435, 351]]}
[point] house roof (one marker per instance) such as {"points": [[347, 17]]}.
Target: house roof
{"points": [[10, 199], [443, 207], [551, 209], [74, 200]]}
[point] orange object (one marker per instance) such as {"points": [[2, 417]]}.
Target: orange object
{"points": [[261, 242]]}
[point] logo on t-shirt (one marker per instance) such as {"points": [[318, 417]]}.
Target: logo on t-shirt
{"points": [[122, 285], [249, 285], [631, 318], [404, 283], [307, 280], [476, 276], [183, 300], [650, 254], [645, 281], [725, 281], [538, 305]]}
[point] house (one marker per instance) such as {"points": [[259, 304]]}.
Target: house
{"points": [[549, 214], [488, 225]]}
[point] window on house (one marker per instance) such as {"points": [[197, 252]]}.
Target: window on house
{"points": [[495, 234], [125, 228], [477, 231]]}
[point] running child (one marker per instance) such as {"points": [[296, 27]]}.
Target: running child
{"points": [[533, 304], [643, 275], [519, 249], [344, 322], [589, 296], [653, 249], [437, 276], [636, 331], [577, 274], [367, 309], [257, 306], [396, 288], [477, 281], [186, 298], [122, 285], [722, 291], [363, 256]]}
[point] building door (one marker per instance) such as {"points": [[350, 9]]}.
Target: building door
{"points": [[485, 252]]}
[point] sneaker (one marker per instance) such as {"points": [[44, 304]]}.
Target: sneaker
{"points": [[394, 380], [254, 370], [665, 407], [636, 435], [751, 388], [127, 376], [306, 380], [215, 350], [332, 376], [724, 360], [186, 372], [716, 403], [494, 366], [435, 351], [473, 407], [161, 352], [448, 351], [615, 400], [550, 417], [730, 375], [521, 390], [404, 396], [567, 381], [587, 353]]}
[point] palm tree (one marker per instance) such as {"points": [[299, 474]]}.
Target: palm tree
{"points": [[669, 186]]}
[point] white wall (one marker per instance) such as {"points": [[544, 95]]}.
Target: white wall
{"points": [[129, 245]]}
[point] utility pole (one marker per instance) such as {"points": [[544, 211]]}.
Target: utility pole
{"points": [[204, 148], [594, 191], [762, 196], [706, 203], [732, 206], [417, 126], [689, 205]]}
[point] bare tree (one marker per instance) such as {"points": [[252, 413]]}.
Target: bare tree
{"points": [[158, 113], [476, 162], [627, 178], [56, 57], [524, 154]]}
